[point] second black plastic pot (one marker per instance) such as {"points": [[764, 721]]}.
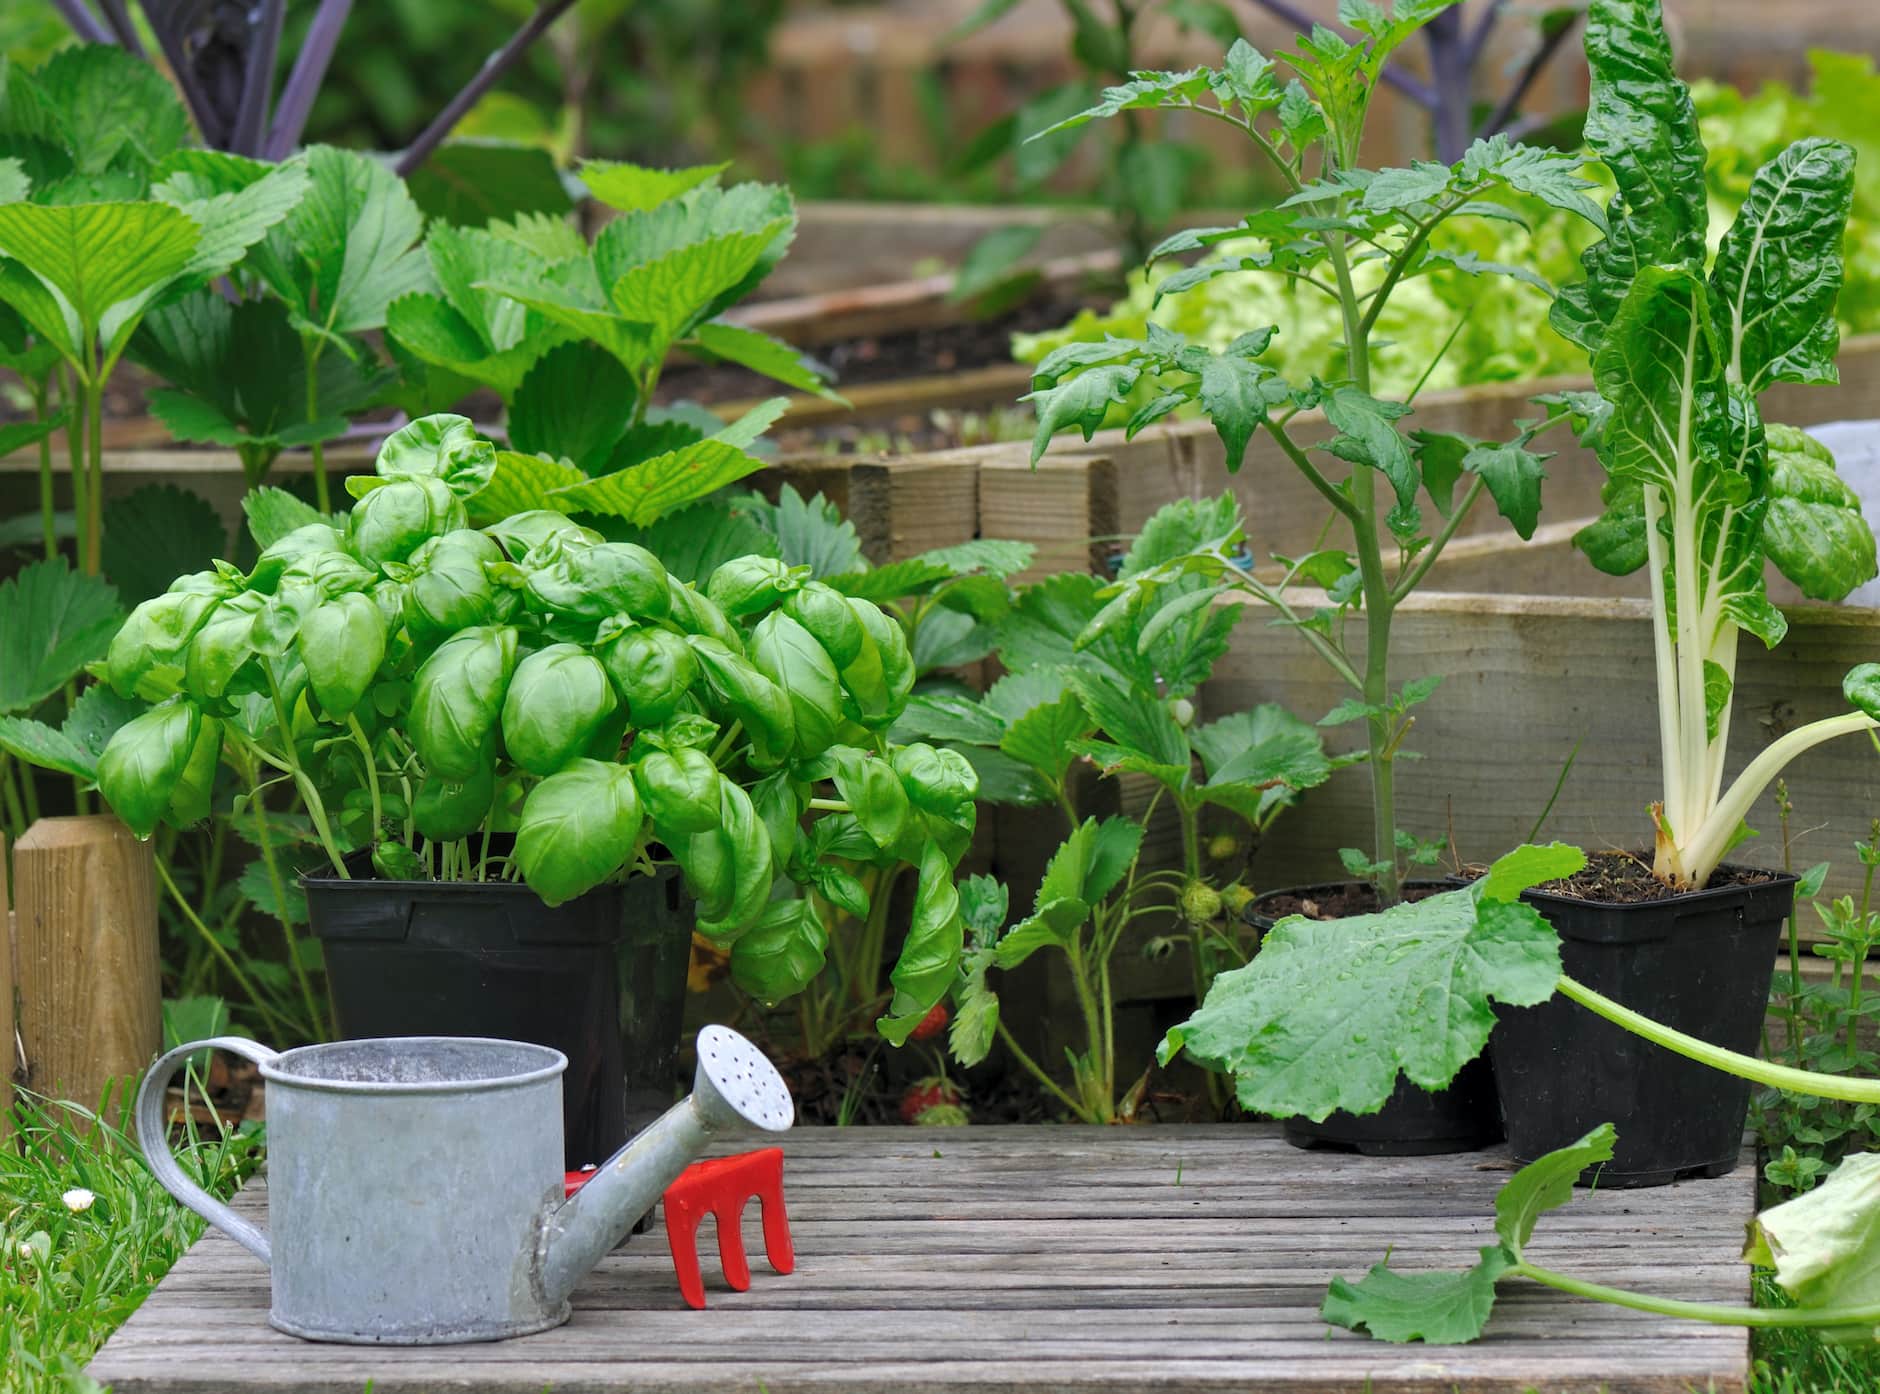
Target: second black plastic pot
{"points": [[1413, 1122], [600, 978], [1698, 962]]}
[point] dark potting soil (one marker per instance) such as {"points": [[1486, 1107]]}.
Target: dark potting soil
{"points": [[875, 1088], [1625, 878], [1332, 902]]}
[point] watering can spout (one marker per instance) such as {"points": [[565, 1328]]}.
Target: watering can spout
{"points": [[735, 1087]]}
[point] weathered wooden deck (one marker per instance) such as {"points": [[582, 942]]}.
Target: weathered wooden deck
{"points": [[1050, 1259]]}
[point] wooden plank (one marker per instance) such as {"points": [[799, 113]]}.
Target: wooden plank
{"points": [[1066, 507], [1048, 1258], [1526, 678], [9, 1055], [90, 1001]]}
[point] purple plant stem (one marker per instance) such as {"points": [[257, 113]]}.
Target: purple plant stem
{"points": [[264, 43], [1505, 110], [1451, 63], [487, 76], [1484, 28], [84, 23], [1416, 91], [170, 39], [120, 21], [303, 84]]}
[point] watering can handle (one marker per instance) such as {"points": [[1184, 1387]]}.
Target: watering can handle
{"points": [[153, 1134]]}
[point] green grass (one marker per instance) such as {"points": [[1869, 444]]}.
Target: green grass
{"points": [[1799, 1361], [69, 1278]]}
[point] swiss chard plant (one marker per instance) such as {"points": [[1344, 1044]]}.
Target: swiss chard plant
{"points": [[424, 685], [1331, 1012], [1354, 236], [1122, 705], [1699, 493]]}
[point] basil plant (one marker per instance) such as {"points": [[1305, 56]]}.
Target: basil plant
{"points": [[424, 684], [1700, 493]]}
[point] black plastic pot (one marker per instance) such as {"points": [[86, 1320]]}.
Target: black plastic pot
{"points": [[1698, 962], [1413, 1122], [600, 978]]}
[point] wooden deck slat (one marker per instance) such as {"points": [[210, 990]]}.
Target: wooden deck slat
{"points": [[1040, 1259]]}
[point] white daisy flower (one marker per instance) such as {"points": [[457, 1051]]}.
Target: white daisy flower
{"points": [[78, 1199]]}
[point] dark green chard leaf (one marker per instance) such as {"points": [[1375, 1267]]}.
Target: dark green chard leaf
{"points": [[1641, 125], [680, 791], [782, 953], [145, 760], [446, 810], [342, 644], [1330, 1011], [1778, 272], [786, 653], [457, 697], [558, 698], [578, 827], [930, 959], [652, 670]]}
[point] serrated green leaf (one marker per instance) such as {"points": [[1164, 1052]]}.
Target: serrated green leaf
{"points": [[1546, 1183], [520, 484], [53, 621], [673, 292], [748, 348], [1436, 1308], [109, 108], [575, 404], [273, 513], [1513, 476], [1330, 1012], [1367, 423], [350, 247], [98, 256], [155, 534], [630, 187], [1082, 402], [643, 492], [469, 181]]}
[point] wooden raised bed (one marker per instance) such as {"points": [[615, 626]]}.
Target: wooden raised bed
{"points": [[1064, 1259]]}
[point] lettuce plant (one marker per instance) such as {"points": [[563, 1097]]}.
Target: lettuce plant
{"points": [[1338, 220], [423, 684], [1699, 492]]}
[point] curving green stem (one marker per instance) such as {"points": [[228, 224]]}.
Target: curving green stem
{"points": [[1784, 1077], [309, 794], [372, 771], [1701, 1311]]}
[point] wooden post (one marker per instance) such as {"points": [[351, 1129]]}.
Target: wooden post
{"points": [[91, 1009], [9, 1061]]}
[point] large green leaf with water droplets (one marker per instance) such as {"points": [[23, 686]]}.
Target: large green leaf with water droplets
{"points": [[1330, 1012]]}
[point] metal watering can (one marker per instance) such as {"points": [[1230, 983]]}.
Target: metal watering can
{"points": [[415, 1184]]}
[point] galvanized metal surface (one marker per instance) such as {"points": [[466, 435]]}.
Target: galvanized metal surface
{"points": [[415, 1183]]}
